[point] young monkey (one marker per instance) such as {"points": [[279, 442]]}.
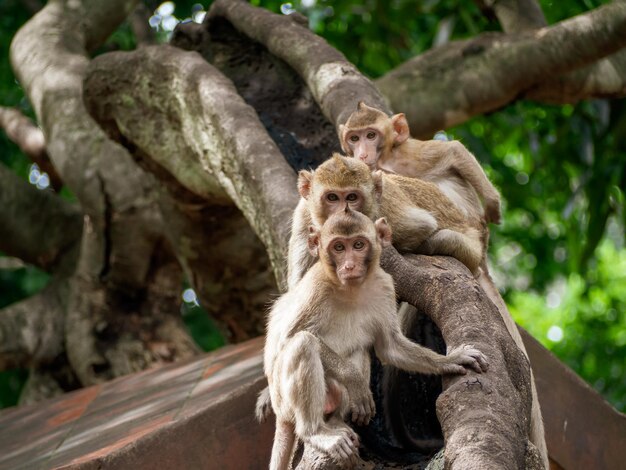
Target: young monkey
{"points": [[384, 143], [344, 305]]}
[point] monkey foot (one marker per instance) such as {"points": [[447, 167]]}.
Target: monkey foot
{"points": [[338, 441]]}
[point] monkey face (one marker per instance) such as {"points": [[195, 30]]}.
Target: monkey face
{"points": [[351, 258], [365, 144], [335, 200]]}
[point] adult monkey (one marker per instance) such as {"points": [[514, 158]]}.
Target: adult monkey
{"points": [[342, 307], [384, 143]]}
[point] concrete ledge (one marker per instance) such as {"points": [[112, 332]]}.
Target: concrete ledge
{"points": [[195, 415], [200, 415]]}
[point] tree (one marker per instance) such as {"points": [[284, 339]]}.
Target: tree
{"points": [[182, 157]]}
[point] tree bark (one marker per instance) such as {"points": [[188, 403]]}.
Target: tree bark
{"points": [[124, 299], [484, 417], [36, 226]]}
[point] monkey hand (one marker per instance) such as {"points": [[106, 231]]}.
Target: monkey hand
{"points": [[493, 214], [362, 406], [465, 356]]}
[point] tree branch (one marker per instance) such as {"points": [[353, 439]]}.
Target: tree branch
{"points": [[447, 85], [208, 125], [335, 83], [515, 16], [124, 301], [476, 412], [36, 226], [30, 140], [31, 331]]}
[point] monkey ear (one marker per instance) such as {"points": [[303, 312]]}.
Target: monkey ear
{"points": [[314, 241], [342, 139], [400, 127], [304, 183], [377, 178], [383, 232]]}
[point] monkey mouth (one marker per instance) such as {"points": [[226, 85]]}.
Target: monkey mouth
{"points": [[352, 279]]}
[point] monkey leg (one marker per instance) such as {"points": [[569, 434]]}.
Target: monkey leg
{"points": [[420, 224], [282, 449], [306, 389], [468, 249]]}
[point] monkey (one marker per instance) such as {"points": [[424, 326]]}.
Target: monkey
{"points": [[384, 143], [342, 307], [422, 218]]}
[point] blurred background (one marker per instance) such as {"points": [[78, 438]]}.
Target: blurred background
{"points": [[558, 257]]}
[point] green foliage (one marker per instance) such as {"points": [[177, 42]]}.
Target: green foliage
{"points": [[583, 321], [559, 254]]}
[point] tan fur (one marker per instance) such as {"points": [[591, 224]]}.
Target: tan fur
{"points": [[457, 174], [447, 164], [319, 336], [415, 210]]}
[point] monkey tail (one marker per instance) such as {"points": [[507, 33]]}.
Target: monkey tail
{"points": [[282, 450], [263, 407]]}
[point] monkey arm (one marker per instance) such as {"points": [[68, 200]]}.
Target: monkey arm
{"points": [[470, 170], [393, 348], [299, 260]]}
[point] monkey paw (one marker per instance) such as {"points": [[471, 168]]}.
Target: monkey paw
{"points": [[362, 407], [492, 212], [466, 356]]}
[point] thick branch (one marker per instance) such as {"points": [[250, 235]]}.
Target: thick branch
{"points": [[36, 226], [29, 138], [124, 300], [31, 331], [485, 418], [447, 85], [211, 127], [335, 83], [604, 79], [515, 16]]}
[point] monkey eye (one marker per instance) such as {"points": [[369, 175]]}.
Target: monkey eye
{"points": [[354, 138], [339, 247], [352, 197], [358, 245], [371, 135], [332, 197]]}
